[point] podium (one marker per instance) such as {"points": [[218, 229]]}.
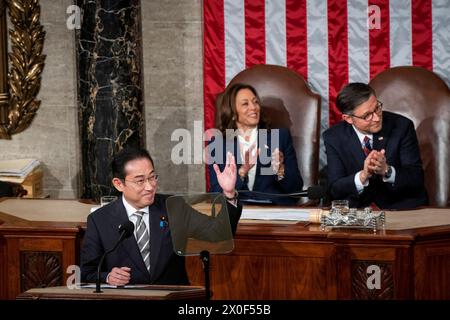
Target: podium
{"points": [[144, 292]]}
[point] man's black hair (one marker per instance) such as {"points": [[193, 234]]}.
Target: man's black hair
{"points": [[126, 155], [352, 95]]}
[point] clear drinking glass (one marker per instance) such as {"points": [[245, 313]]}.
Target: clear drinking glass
{"points": [[104, 200], [341, 205]]}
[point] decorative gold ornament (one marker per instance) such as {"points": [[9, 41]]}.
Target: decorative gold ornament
{"points": [[27, 63]]}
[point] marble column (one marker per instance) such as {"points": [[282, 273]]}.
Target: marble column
{"points": [[4, 95], [109, 87]]}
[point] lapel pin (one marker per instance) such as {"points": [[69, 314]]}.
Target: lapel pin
{"points": [[163, 223], [380, 138]]}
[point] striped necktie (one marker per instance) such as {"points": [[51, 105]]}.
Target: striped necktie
{"points": [[143, 238], [366, 146]]}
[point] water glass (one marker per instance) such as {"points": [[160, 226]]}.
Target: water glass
{"points": [[104, 200], [341, 205]]}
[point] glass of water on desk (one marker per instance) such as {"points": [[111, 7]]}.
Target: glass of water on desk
{"points": [[341, 206], [104, 200]]}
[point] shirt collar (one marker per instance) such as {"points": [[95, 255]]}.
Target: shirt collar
{"points": [[253, 137], [130, 209], [362, 135]]}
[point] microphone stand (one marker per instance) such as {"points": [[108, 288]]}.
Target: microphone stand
{"points": [[99, 267], [97, 280], [204, 257], [204, 254]]}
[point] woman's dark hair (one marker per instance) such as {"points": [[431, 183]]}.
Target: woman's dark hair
{"points": [[352, 95], [226, 114], [126, 155]]}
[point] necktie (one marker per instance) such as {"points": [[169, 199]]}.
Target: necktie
{"points": [[366, 146], [143, 238]]}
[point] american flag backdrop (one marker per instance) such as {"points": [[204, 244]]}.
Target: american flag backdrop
{"points": [[330, 43]]}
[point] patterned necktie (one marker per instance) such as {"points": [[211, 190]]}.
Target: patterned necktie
{"points": [[143, 238], [366, 146]]}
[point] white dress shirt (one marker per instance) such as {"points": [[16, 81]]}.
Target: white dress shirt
{"points": [[243, 147], [359, 185], [130, 212]]}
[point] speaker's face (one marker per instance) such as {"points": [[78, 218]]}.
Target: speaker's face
{"points": [[248, 109], [140, 183], [367, 117]]}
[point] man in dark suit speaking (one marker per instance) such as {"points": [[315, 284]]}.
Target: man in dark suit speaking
{"points": [[148, 256], [373, 155]]}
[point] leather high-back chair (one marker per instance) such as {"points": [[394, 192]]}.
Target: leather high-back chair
{"points": [[423, 97], [288, 102]]}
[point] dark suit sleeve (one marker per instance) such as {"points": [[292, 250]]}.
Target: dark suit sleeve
{"points": [[91, 252], [213, 182], [214, 158], [234, 213], [341, 185], [292, 181], [409, 172]]}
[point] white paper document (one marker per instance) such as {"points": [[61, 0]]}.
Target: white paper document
{"points": [[288, 214], [102, 286], [110, 286], [18, 168], [256, 201]]}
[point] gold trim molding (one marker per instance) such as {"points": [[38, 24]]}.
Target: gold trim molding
{"points": [[18, 104]]}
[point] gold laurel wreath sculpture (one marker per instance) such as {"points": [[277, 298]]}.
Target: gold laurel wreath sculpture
{"points": [[27, 63]]}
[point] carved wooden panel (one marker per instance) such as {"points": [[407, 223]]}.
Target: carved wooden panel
{"points": [[260, 269], [40, 269], [364, 282], [432, 271]]}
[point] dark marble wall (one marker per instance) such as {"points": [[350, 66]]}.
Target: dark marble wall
{"points": [[109, 88], [4, 96]]}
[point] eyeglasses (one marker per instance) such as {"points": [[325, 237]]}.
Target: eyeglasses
{"points": [[369, 116], [140, 182]]}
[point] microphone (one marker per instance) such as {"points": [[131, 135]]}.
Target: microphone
{"points": [[126, 229], [313, 193]]}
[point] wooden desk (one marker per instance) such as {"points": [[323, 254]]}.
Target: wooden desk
{"points": [[39, 240], [270, 261], [143, 293], [289, 261]]}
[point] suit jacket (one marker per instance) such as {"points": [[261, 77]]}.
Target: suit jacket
{"points": [[165, 266], [292, 181], [346, 157]]}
